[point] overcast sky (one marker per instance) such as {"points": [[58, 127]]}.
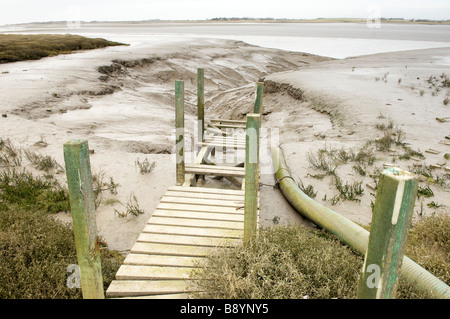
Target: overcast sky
{"points": [[20, 11]]}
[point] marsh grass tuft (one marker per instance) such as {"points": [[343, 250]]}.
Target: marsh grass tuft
{"points": [[42, 162], [308, 190], [131, 207], [99, 186], [348, 191]]}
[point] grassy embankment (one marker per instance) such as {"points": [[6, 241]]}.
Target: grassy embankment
{"points": [[19, 47]]}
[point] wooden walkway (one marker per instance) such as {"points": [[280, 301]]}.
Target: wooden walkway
{"points": [[187, 225], [192, 220]]}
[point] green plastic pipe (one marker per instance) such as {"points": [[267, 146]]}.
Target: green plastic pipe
{"points": [[350, 233]]}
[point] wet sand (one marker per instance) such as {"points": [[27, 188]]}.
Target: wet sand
{"points": [[121, 99]]}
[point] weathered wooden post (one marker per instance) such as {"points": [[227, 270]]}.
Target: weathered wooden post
{"points": [[251, 176], [200, 114], [201, 104], [179, 130], [79, 179], [258, 104], [397, 190]]}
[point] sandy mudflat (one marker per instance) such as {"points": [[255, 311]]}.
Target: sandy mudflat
{"points": [[125, 109]]}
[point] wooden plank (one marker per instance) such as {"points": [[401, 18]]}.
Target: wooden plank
{"points": [[230, 126], [217, 167], [207, 190], [201, 201], [220, 224], [171, 250], [214, 130], [134, 272], [187, 240], [231, 141], [215, 172], [199, 215], [238, 137], [181, 230], [129, 288], [222, 145], [228, 121], [200, 208], [162, 260], [204, 195]]}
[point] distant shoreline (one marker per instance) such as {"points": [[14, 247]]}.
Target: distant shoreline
{"points": [[254, 20]]}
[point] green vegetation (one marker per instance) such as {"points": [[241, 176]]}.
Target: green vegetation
{"points": [[35, 248], [131, 207], [298, 262], [19, 47], [308, 190]]}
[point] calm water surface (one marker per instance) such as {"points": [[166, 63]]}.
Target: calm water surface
{"points": [[337, 40]]}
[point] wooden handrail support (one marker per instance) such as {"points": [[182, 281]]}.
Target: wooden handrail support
{"points": [[258, 104], [251, 176], [79, 180], [394, 206], [179, 130]]}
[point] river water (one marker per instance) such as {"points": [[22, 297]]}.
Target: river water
{"points": [[337, 40]]}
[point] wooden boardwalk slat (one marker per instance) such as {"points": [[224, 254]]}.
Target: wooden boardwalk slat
{"points": [[227, 142], [135, 288], [207, 190], [192, 231], [204, 195], [229, 217], [220, 144], [237, 126], [133, 272], [170, 249], [229, 121], [214, 170], [186, 240], [217, 167], [196, 223], [162, 260], [200, 208], [202, 202]]}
